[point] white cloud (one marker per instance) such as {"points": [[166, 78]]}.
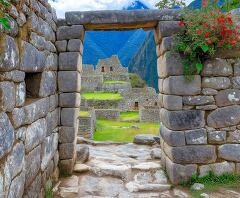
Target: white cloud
{"points": [[84, 5]]}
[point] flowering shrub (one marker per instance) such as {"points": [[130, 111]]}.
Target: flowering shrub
{"points": [[204, 31], [4, 17]]}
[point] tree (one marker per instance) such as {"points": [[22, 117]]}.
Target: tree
{"points": [[4, 17], [168, 4]]}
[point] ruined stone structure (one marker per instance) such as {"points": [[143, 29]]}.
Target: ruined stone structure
{"points": [[40, 98], [149, 114]]}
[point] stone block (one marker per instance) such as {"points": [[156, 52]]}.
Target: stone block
{"points": [[67, 134], [21, 134], [207, 107], [166, 44], [217, 67], [224, 117], [160, 85], [238, 168], [197, 136], [69, 116], [67, 151], [20, 94], [179, 85], [217, 137], [183, 120], [229, 152], [18, 117], [217, 168], [168, 28], [15, 76], [35, 134], [178, 173], [69, 81], [7, 96], [66, 166], [160, 99], [52, 121], [70, 61], [236, 82], [217, 83], [17, 186], [9, 57], [209, 92], [53, 100], [236, 69], [52, 62], [233, 136], [35, 188], [48, 85], [172, 138], [158, 52], [196, 154], [198, 100], [170, 64], [32, 60], [32, 165], [70, 32], [61, 46], [6, 134], [228, 97], [75, 45], [83, 154]]}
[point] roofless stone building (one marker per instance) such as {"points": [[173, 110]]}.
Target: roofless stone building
{"points": [[40, 83]]}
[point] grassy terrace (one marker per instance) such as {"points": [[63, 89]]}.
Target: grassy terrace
{"points": [[132, 116], [102, 96], [115, 82], [122, 131], [84, 114]]}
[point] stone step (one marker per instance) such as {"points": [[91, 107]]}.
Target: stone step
{"points": [[81, 168], [147, 166]]}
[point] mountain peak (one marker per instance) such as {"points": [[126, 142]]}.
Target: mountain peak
{"points": [[136, 5]]}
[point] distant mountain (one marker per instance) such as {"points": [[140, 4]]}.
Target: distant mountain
{"points": [[197, 4]]}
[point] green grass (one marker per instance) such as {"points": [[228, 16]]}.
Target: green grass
{"points": [[130, 116], [102, 96], [122, 131], [84, 114], [115, 82], [213, 183]]}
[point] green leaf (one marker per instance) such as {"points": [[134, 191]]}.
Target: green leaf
{"points": [[199, 67], [205, 48], [5, 23]]}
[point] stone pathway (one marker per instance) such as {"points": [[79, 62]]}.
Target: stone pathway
{"points": [[122, 171]]}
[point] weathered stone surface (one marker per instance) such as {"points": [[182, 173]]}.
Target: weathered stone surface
{"points": [[119, 19], [233, 137], [69, 81], [228, 97], [217, 67], [166, 44], [35, 188], [33, 162], [168, 28], [17, 186], [15, 76], [198, 100], [69, 100], [70, 61], [61, 46], [9, 58], [217, 83], [207, 107], [224, 117], [197, 136], [52, 121], [6, 134], [217, 137], [32, 60], [183, 120], [197, 186], [156, 153], [75, 45], [191, 154], [67, 134], [179, 173], [160, 85], [35, 134], [236, 82], [70, 32], [48, 85], [170, 64], [217, 169], [179, 85], [66, 166], [52, 62], [53, 100], [172, 138], [69, 116], [237, 69], [229, 152], [20, 94], [7, 96], [82, 153], [144, 139], [66, 151], [171, 102], [209, 92]]}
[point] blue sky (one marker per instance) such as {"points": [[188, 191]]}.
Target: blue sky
{"points": [[83, 5]]}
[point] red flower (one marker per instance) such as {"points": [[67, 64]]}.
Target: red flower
{"points": [[209, 41], [221, 42], [198, 31], [221, 19], [207, 34], [229, 20], [180, 23]]}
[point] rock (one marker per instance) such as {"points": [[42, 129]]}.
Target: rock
{"points": [[75, 45], [69, 117], [17, 186], [179, 85], [209, 92], [217, 67], [66, 166], [217, 137], [15, 76], [183, 120], [166, 44], [7, 96], [69, 81], [66, 151], [144, 139], [6, 135], [230, 152], [81, 168], [171, 102], [217, 83], [228, 97], [197, 186], [207, 107], [233, 137], [61, 46], [82, 153], [204, 195], [35, 187], [67, 134], [70, 32], [147, 166], [20, 94], [48, 85], [70, 99], [198, 100], [70, 61], [224, 117], [156, 153], [197, 136]]}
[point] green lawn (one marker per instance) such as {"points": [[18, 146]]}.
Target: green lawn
{"points": [[122, 131], [115, 82], [130, 116], [102, 96], [84, 114]]}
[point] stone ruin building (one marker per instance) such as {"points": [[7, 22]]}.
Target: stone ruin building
{"points": [[40, 84]]}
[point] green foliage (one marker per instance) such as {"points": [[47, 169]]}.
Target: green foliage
{"points": [[168, 4], [84, 114], [136, 81], [48, 190], [115, 82], [102, 96], [4, 17], [230, 5], [130, 116]]}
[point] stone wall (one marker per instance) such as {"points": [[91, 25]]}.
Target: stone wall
{"points": [[91, 83], [101, 104], [200, 118], [116, 87], [109, 114], [29, 113], [149, 114]]}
